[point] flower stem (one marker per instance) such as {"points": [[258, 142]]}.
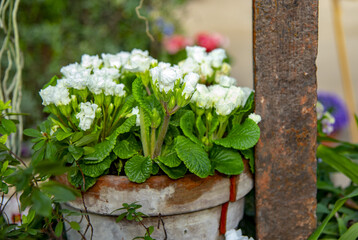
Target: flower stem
{"points": [[161, 136], [221, 130], [143, 133], [152, 140]]}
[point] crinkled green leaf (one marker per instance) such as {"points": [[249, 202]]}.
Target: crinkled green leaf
{"points": [[155, 169], [194, 156], [187, 126], [214, 124], [97, 169], [103, 149], [76, 152], [226, 161], [249, 154], [139, 93], [87, 139], [175, 118], [169, 156], [127, 148], [8, 125], [174, 172], [138, 168], [61, 193], [241, 137]]}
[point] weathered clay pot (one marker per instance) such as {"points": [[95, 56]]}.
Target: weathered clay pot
{"points": [[190, 207]]}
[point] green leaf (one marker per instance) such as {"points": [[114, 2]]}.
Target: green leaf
{"points": [[103, 149], [121, 216], [38, 156], [76, 180], [61, 135], [155, 169], [242, 136], [127, 148], [39, 145], [193, 156], [51, 150], [249, 154], [169, 156], [51, 168], [187, 126], [9, 125], [59, 229], [341, 225], [174, 172], [226, 160], [61, 193], [214, 124], [32, 132], [339, 162], [138, 168], [52, 82], [97, 169], [351, 234], [75, 226], [76, 152], [87, 139], [175, 118], [138, 93], [339, 203], [3, 139], [41, 203]]}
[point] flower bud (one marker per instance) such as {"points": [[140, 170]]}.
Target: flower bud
{"points": [[209, 116], [156, 119], [99, 99], [65, 110], [107, 100], [117, 101], [225, 68], [98, 113], [171, 103], [110, 108]]}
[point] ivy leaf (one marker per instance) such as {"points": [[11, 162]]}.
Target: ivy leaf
{"points": [[241, 137], [103, 149], [174, 172], [193, 156], [138, 168], [127, 148], [226, 161], [169, 156], [8, 125], [61, 193], [97, 169], [187, 126]]}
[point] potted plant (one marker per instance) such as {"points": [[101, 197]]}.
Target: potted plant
{"points": [[168, 137]]}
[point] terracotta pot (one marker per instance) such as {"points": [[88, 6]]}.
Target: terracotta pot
{"points": [[190, 207]]}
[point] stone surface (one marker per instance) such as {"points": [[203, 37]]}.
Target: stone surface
{"points": [[285, 36]]}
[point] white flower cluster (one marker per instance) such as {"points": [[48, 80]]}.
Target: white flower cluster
{"points": [[255, 117], [236, 235], [203, 63], [86, 115], [58, 95], [165, 77], [223, 99]]}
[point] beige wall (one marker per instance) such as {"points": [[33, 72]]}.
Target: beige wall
{"points": [[232, 18]]}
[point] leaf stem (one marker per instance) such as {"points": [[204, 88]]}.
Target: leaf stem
{"points": [[221, 130], [143, 133], [161, 136], [152, 140]]}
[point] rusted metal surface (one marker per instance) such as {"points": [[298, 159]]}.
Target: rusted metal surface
{"points": [[285, 36], [160, 194]]}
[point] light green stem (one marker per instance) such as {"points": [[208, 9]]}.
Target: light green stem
{"points": [[221, 130], [143, 133], [152, 140], [161, 136]]}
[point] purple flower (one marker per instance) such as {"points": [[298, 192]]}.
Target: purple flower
{"points": [[337, 107]]}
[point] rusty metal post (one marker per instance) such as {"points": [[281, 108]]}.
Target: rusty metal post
{"points": [[285, 34]]}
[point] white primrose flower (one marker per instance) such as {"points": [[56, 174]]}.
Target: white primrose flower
{"points": [[255, 117], [135, 111], [58, 95], [223, 108], [236, 235], [247, 92], [96, 83], [196, 53], [119, 90], [201, 97], [75, 76], [217, 92], [189, 65], [164, 76], [205, 68], [112, 73], [226, 81], [139, 61], [115, 60], [236, 96], [88, 61], [217, 57], [233, 98], [190, 80], [86, 115]]}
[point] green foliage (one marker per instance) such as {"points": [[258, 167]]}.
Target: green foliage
{"points": [[226, 161], [187, 122], [138, 168], [131, 213], [241, 137], [194, 156], [127, 148]]}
